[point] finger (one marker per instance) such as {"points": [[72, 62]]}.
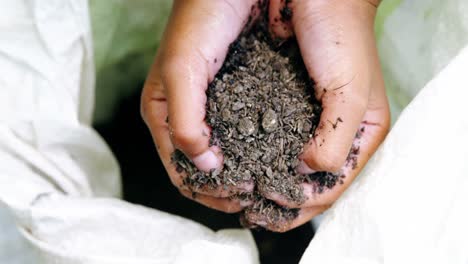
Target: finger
{"points": [[280, 14], [195, 44], [371, 133], [226, 205], [286, 221], [154, 112], [337, 44]]}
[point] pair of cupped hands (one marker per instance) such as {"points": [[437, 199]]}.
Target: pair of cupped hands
{"points": [[337, 43]]}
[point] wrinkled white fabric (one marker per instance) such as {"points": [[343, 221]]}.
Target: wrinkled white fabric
{"points": [[409, 204], [59, 182]]}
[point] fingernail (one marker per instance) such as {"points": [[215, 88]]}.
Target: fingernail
{"points": [[207, 161], [303, 168]]}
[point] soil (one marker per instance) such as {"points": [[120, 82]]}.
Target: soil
{"points": [[262, 110]]}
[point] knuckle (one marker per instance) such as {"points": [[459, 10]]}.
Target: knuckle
{"points": [[183, 138], [330, 161], [153, 90]]}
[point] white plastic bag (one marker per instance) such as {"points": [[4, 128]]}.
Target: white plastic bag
{"points": [[416, 40], [409, 204], [59, 182]]}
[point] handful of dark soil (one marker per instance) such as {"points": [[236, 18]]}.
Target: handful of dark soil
{"points": [[261, 108]]}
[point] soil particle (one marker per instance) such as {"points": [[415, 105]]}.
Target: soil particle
{"points": [[286, 12], [246, 127], [270, 121], [352, 160]]}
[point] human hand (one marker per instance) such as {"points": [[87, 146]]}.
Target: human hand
{"points": [[337, 43], [192, 51]]}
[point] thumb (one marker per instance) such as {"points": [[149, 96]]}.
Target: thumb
{"points": [[337, 44]]}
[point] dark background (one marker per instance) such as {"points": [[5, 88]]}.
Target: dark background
{"points": [[145, 182]]}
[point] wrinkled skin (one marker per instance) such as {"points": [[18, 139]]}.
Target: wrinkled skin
{"points": [[337, 43]]}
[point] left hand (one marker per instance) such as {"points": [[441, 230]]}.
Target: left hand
{"points": [[338, 46]]}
